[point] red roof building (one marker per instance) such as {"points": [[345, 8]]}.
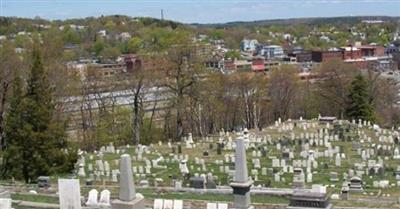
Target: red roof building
{"points": [[257, 64]]}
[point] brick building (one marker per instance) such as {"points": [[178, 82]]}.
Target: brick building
{"points": [[323, 56], [351, 53]]}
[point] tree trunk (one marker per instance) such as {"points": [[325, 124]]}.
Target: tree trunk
{"points": [[136, 120], [153, 110], [179, 122], [200, 122]]}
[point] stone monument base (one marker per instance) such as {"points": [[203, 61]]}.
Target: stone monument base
{"points": [[137, 203]]}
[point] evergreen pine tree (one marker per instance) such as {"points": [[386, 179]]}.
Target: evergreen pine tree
{"points": [[13, 133], [358, 106], [37, 141]]}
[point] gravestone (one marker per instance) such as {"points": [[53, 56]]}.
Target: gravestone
{"points": [[44, 181], [211, 184], [277, 177], [196, 182], [81, 171], [241, 184], [69, 193], [306, 199], [92, 199], [128, 199], [356, 184], [264, 152], [275, 163], [168, 204], [211, 205], [219, 149], [179, 149], [105, 198], [158, 204], [333, 176], [344, 193], [222, 206], [309, 177], [178, 204], [285, 154], [5, 203], [298, 178], [183, 167], [257, 163], [338, 160]]}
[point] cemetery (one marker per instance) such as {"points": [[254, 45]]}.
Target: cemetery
{"points": [[319, 163]]}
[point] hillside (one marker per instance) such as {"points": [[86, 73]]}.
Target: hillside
{"points": [[309, 21]]}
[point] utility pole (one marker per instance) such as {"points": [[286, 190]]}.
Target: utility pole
{"points": [[162, 14]]}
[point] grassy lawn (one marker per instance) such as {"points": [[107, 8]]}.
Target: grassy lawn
{"points": [[22, 207], [213, 197], [148, 193], [35, 198]]}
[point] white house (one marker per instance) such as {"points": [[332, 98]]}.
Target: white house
{"points": [[248, 45], [271, 51]]}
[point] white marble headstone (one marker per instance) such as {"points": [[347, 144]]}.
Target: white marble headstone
{"points": [[178, 204], [69, 193], [158, 204], [5, 203], [105, 197], [222, 206], [211, 205], [92, 198], [168, 204]]}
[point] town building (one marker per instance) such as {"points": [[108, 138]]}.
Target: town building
{"points": [[243, 65], [215, 62], [323, 56], [351, 52], [305, 56], [258, 64], [248, 45], [229, 65], [271, 52], [372, 50], [390, 49], [89, 69]]}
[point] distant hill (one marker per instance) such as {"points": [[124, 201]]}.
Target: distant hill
{"points": [[313, 20]]}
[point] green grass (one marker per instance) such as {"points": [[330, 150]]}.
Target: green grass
{"points": [[266, 199], [23, 207], [35, 198]]}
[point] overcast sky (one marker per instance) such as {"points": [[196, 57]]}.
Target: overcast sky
{"points": [[200, 11]]}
